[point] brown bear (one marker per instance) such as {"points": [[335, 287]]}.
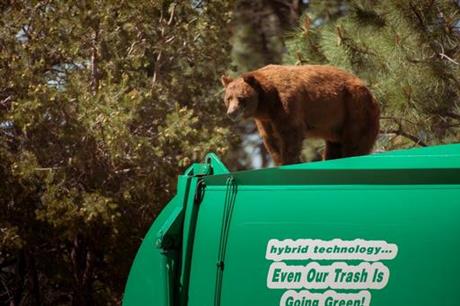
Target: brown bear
{"points": [[290, 103]]}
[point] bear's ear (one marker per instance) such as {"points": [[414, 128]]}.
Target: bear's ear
{"points": [[225, 80], [251, 80]]}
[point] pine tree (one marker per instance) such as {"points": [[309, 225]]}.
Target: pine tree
{"points": [[407, 51]]}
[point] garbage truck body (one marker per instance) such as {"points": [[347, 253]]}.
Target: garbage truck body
{"points": [[380, 230]]}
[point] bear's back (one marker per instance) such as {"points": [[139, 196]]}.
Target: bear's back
{"points": [[311, 93], [307, 75]]}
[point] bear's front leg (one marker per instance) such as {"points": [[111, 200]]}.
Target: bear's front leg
{"points": [[271, 140], [271, 144], [291, 147]]}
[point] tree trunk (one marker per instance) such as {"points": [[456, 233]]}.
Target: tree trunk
{"points": [[83, 266]]}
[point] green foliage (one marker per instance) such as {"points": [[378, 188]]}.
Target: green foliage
{"points": [[102, 105], [407, 51]]}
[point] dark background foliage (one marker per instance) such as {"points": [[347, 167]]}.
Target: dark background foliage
{"points": [[104, 103]]}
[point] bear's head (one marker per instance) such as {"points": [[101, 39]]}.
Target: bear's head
{"points": [[241, 96]]}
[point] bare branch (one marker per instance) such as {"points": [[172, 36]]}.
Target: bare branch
{"points": [[397, 120], [47, 169], [171, 17], [94, 63], [5, 103], [157, 68], [443, 55], [399, 131], [404, 134], [452, 115]]}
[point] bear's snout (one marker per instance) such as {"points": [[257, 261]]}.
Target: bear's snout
{"points": [[234, 113]]}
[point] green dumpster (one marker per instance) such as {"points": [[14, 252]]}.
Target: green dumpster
{"points": [[377, 230]]}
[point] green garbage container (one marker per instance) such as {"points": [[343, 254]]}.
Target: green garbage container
{"points": [[377, 230]]}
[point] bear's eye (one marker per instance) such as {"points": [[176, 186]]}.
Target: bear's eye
{"points": [[242, 99]]}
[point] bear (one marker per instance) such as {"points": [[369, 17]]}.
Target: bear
{"points": [[291, 103]]}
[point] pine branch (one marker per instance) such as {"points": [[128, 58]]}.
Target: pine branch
{"points": [[404, 134], [399, 131], [417, 15], [424, 28], [366, 16], [350, 44]]}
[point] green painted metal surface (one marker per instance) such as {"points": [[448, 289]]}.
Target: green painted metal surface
{"points": [[377, 230]]}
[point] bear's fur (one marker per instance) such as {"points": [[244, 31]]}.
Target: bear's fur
{"points": [[290, 103]]}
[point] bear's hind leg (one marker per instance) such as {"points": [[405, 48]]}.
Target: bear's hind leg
{"points": [[357, 142], [333, 150], [362, 124]]}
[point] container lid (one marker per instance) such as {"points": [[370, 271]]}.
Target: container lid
{"points": [[429, 165]]}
